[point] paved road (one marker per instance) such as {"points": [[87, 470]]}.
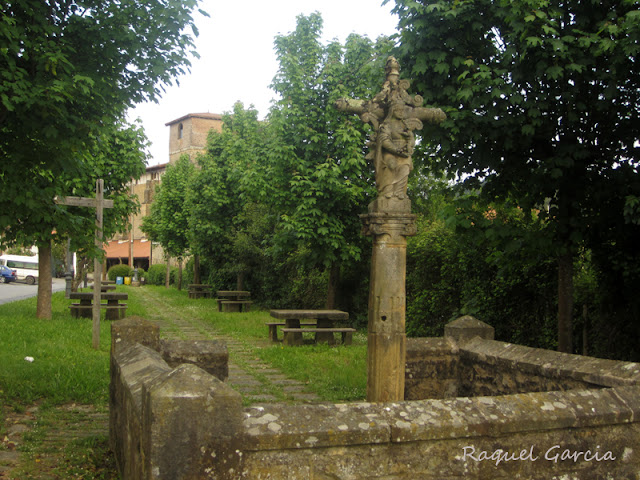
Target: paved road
{"points": [[10, 292]]}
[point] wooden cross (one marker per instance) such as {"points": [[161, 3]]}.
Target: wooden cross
{"points": [[99, 203]]}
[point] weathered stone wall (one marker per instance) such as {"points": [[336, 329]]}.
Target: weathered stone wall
{"points": [[184, 423], [133, 366], [432, 369], [210, 355], [471, 366], [506, 437]]}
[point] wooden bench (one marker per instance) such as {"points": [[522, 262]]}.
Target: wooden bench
{"points": [[235, 305], [105, 288], [197, 290], [273, 329], [325, 320], [80, 310], [289, 334], [115, 310], [233, 300]]}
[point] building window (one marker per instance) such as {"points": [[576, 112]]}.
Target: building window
{"points": [[180, 130]]}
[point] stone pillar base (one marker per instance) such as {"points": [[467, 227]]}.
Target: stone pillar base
{"points": [[386, 360]]}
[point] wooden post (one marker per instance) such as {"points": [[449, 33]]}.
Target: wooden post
{"points": [[97, 265], [99, 203]]}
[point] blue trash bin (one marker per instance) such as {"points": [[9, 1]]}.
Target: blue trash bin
{"points": [[119, 280]]}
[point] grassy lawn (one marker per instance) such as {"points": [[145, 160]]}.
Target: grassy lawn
{"points": [[335, 374], [65, 367], [67, 382]]}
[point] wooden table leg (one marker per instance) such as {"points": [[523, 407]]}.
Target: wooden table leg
{"points": [[273, 333], [86, 311], [111, 314], [292, 338], [327, 337]]}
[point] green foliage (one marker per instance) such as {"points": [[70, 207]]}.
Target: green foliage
{"points": [[105, 57], [20, 251], [543, 104], [528, 88], [221, 198], [475, 264], [70, 72], [119, 271], [168, 221], [437, 271], [117, 157], [320, 180], [157, 275]]}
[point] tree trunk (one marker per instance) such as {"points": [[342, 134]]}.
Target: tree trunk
{"points": [[168, 275], [565, 303], [81, 263], [196, 269], [179, 274], [43, 309], [240, 281], [332, 288]]}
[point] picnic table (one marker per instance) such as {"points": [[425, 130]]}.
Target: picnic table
{"points": [[233, 300], [105, 287], [320, 322], [115, 309], [199, 290]]}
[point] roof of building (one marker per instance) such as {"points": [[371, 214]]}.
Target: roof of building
{"points": [[159, 166], [211, 116]]}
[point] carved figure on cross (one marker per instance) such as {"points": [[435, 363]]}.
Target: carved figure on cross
{"points": [[394, 115]]}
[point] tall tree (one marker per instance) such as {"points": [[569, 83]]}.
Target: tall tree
{"points": [[70, 69], [117, 157], [168, 222], [229, 180], [544, 109], [321, 180]]}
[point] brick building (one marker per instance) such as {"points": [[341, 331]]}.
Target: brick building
{"points": [[187, 136]]}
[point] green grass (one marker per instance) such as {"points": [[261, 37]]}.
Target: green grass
{"points": [[65, 368], [335, 374]]}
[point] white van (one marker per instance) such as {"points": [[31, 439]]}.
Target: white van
{"points": [[26, 267]]}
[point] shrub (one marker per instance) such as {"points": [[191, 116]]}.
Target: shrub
{"points": [[156, 274], [119, 271]]}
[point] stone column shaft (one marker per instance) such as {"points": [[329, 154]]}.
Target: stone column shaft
{"points": [[387, 338]]}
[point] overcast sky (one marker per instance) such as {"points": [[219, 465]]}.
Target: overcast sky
{"points": [[237, 61]]}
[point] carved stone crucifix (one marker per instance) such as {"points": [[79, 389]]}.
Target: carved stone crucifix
{"points": [[394, 115]]}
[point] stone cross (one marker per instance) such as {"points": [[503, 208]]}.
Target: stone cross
{"points": [[394, 115], [99, 203]]}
